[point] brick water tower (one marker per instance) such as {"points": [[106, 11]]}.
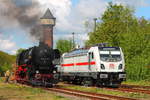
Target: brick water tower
{"points": [[47, 22]]}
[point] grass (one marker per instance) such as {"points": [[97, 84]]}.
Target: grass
{"points": [[20, 92], [142, 82], [109, 92]]}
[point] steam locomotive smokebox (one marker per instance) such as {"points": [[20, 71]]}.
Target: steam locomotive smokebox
{"points": [[47, 22]]}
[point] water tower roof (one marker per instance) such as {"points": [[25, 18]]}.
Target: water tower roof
{"points": [[48, 15]]}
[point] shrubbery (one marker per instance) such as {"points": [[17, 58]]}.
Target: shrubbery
{"points": [[6, 62]]}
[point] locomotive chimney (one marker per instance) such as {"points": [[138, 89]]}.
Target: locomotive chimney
{"points": [[47, 22]]}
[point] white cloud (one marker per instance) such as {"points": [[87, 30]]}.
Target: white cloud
{"points": [[83, 11], [7, 45], [4, 15], [61, 10], [71, 19]]}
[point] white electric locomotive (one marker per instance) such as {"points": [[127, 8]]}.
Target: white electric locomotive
{"points": [[94, 66]]}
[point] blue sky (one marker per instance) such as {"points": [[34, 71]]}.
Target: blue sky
{"points": [[143, 11], [70, 16], [75, 2]]}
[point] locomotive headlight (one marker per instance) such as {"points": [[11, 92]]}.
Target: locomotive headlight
{"points": [[30, 57], [102, 66], [37, 71], [54, 71], [120, 66]]}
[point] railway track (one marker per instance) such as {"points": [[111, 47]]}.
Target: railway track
{"points": [[130, 90], [96, 96], [133, 88], [92, 96], [89, 95]]}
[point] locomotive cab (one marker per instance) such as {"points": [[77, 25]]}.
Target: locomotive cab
{"points": [[110, 65], [111, 59]]}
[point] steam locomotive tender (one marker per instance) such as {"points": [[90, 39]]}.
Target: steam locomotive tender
{"points": [[36, 66]]}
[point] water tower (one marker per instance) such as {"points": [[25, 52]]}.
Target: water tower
{"points": [[48, 22]]}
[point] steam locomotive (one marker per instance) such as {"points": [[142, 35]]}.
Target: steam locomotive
{"points": [[36, 66]]}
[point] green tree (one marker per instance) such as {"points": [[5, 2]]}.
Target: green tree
{"points": [[19, 51], [6, 62], [64, 45], [114, 22]]}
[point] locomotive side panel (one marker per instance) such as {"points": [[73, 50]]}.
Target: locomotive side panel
{"points": [[68, 64], [81, 63]]}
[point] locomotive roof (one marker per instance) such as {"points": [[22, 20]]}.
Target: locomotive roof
{"points": [[85, 51], [77, 52], [110, 48]]}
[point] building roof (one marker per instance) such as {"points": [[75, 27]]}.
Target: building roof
{"points": [[48, 15]]}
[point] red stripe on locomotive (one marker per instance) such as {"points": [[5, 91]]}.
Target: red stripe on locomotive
{"points": [[78, 64], [67, 64]]}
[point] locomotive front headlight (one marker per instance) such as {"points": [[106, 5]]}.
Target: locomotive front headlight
{"points": [[29, 57], [120, 66], [102, 66], [37, 72], [54, 71]]}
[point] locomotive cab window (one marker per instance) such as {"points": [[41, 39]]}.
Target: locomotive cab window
{"points": [[91, 55]]}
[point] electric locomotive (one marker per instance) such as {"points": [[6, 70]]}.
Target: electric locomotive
{"points": [[98, 65], [36, 66]]}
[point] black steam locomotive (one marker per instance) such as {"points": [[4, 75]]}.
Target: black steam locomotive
{"points": [[36, 65]]}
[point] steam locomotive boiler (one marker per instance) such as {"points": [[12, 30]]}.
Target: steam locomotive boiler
{"points": [[36, 65]]}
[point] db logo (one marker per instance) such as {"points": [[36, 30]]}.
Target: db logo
{"points": [[111, 66]]}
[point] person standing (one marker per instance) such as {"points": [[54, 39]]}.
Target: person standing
{"points": [[7, 75]]}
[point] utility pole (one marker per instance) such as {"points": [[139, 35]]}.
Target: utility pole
{"points": [[95, 19], [73, 41]]}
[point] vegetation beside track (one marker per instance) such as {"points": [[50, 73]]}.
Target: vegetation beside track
{"points": [[20, 92], [141, 82], [6, 61], [110, 92]]}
